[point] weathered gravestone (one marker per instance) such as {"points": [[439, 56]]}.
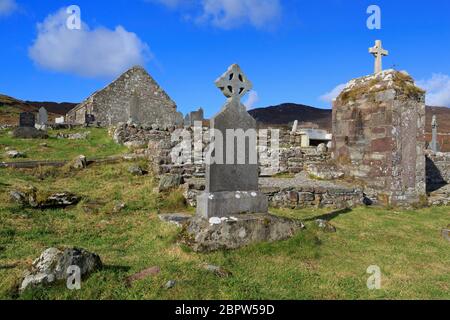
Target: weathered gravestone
{"points": [[193, 117], [232, 170], [27, 120], [26, 129], [232, 213], [434, 143], [295, 127], [42, 117]]}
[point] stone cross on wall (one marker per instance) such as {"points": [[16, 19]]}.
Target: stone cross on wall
{"points": [[434, 142], [232, 178], [378, 53]]}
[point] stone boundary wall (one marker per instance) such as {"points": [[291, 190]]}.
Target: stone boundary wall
{"points": [[162, 151], [298, 197]]}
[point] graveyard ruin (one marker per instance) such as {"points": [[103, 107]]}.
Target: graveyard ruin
{"points": [[134, 97]]}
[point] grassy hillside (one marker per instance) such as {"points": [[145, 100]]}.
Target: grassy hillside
{"points": [[97, 145], [313, 265]]}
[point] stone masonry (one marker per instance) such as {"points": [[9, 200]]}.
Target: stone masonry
{"points": [[378, 136], [134, 97]]}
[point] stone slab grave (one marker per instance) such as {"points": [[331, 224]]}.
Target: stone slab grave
{"points": [[42, 117], [26, 129], [27, 120], [232, 212], [434, 145]]}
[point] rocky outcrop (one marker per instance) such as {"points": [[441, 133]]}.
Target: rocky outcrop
{"points": [[204, 235], [53, 265]]}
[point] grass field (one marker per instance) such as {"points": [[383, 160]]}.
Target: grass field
{"points": [[97, 145], [407, 245]]}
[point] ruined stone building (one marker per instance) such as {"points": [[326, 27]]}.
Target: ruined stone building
{"points": [[378, 135], [134, 96]]}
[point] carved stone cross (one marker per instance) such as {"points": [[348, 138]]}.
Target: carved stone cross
{"points": [[233, 83], [378, 53]]}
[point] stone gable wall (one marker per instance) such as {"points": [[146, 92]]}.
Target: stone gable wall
{"points": [[134, 95]]}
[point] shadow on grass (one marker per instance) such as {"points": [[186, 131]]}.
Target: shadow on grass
{"points": [[330, 216]]}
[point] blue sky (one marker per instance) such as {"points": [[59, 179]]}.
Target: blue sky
{"points": [[292, 50]]}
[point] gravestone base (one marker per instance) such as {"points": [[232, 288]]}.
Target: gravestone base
{"points": [[29, 133], [228, 203], [236, 232]]}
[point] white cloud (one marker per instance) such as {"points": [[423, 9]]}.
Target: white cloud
{"points": [[100, 52], [230, 14], [7, 7], [333, 94], [438, 90], [252, 99]]}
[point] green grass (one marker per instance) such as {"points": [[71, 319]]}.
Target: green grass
{"points": [[406, 245], [97, 145]]}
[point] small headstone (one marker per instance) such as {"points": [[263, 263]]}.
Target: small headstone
{"points": [[197, 115], [42, 117], [187, 120], [27, 120], [446, 233], [434, 143], [295, 127], [193, 117]]}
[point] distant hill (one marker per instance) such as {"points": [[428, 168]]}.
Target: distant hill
{"points": [[11, 107], [285, 114], [52, 107]]}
